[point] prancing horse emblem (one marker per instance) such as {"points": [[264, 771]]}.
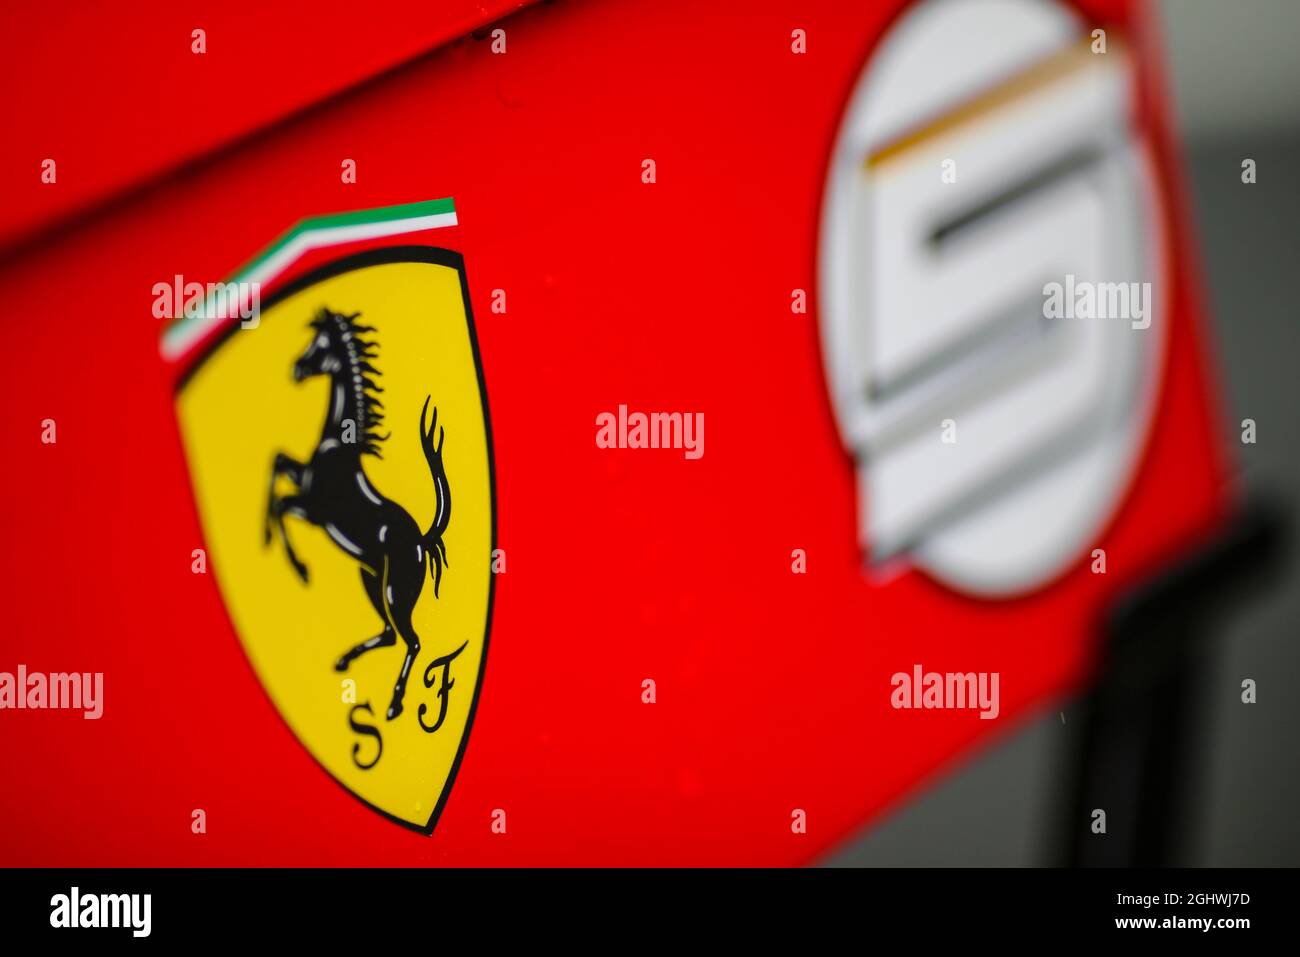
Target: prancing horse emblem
{"points": [[334, 493]]}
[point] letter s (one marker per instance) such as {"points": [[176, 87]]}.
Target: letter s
{"points": [[367, 729]]}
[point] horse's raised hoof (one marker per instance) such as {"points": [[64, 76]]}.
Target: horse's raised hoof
{"points": [[342, 664], [394, 710]]}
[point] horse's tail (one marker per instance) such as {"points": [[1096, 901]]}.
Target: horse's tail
{"points": [[434, 546]]}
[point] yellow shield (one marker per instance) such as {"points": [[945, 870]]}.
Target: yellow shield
{"points": [[341, 461]]}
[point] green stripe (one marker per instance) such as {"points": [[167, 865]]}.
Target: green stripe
{"points": [[432, 207], [383, 214]]}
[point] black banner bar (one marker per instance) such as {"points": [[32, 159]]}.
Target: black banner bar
{"points": [[377, 907]]}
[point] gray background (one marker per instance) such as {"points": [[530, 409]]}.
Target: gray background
{"points": [[1235, 80]]}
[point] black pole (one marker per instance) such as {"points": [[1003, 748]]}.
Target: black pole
{"points": [[1141, 728]]}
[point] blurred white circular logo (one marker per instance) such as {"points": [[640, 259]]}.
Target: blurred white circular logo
{"points": [[990, 272]]}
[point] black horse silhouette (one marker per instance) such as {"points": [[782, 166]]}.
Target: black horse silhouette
{"points": [[334, 492]]}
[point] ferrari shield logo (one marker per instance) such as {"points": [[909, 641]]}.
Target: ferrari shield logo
{"points": [[341, 463]]}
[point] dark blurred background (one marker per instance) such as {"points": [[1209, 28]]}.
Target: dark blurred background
{"points": [[1234, 77]]}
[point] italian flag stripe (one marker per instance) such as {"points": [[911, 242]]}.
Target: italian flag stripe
{"points": [[314, 233]]}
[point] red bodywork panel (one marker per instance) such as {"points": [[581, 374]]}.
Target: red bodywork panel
{"points": [[117, 95], [773, 688]]}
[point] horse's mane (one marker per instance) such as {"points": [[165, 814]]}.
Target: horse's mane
{"points": [[356, 352]]}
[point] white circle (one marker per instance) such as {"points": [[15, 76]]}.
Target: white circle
{"points": [[1020, 533]]}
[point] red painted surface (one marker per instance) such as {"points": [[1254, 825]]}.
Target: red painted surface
{"points": [[773, 687], [116, 96]]}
